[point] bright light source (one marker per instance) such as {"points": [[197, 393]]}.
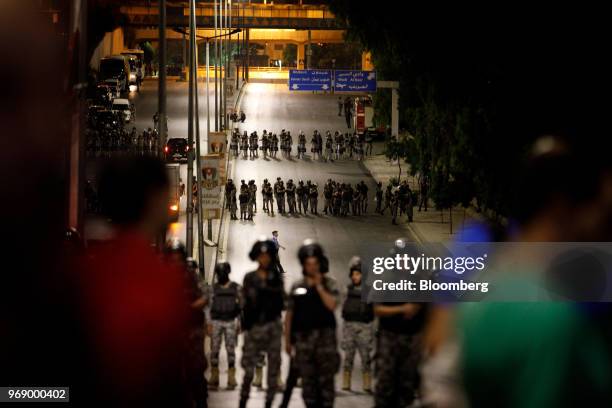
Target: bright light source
{"points": [[174, 207], [133, 88]]}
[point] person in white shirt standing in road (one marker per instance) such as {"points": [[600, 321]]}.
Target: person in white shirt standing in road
{"points": [[278, 247]]}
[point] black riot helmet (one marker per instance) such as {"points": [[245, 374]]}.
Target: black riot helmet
{"points": [[311, 248], [262, 246], [222, 271], [354, 265]]}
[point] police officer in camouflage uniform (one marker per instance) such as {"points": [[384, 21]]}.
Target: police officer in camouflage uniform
{"points": [[305, 196], [263, 296], [379, 197], [397, 353], [310, 318], [290, 190], [358, 330], [233, 205], [225, 308], [243, 199], [299, 192], [313, 195], [268, 196], [252, 208], [328, 191], [279, 193]]}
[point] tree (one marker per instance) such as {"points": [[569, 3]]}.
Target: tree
{"points": [[290, 55]]}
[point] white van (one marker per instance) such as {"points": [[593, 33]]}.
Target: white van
{"points": [[123, 107]]}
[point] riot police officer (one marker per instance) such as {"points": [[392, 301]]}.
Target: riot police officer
{"points": [[310, 318], [279, 193], [358, 330], [233, 205], [301, 145], [328, 191], [263, 303], [290, 191], [313, 196], [253, 194], [244, 144], [379, 197], [243, 199], [225, 308], [299, 191], [306, 196], [268, 197]]}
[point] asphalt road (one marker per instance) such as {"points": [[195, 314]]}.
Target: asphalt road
{"points": [[273, 107]]}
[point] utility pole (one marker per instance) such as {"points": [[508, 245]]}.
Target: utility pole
{"points": [[209, 223], [222, 62], [216, 63], [161, 89], [194, 71], [189, 239]]}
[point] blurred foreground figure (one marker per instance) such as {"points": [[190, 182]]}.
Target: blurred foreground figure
{"points": [[539, 354], [194, 361], [225, 310], [263, 304], [135, 305], [310, 324], [398, 352]]}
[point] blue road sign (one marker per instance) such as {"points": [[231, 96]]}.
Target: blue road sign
{"points": [[310, 80], [355, 81]]}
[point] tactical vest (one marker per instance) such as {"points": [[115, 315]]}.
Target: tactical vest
{"points": [[356, 310], [309, 312], [225, 302]]}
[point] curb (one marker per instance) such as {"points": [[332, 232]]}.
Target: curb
{"points": [[224, 225]]}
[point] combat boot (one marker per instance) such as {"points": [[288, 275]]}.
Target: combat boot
{"points": [[346, 381], [258, 377], [367, 381], [231, 378], [214, 377]]}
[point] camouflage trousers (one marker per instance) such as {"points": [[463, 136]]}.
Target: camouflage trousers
{"points": [[223, 329], [194, 367], [397, 359], [357, 336], [313, 205], [291, 203], [265, 338], [317, 358]]}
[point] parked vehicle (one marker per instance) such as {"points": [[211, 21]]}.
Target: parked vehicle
{"points": [[176, 149], [116, 68], [124, 108], [136, 63]]}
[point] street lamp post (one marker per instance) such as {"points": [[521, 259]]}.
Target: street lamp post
{"points": [[216, 63], [161, 94], [189, 237], [196, 112]]}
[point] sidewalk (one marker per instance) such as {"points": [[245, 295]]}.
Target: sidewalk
{"points": [[427, 226]]}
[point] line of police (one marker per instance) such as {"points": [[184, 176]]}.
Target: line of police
{"points": [[104, 141], [336, 147], [310, 331], [339, 199]]}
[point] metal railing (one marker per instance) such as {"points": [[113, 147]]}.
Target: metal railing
{"points": [[269, 11]]}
